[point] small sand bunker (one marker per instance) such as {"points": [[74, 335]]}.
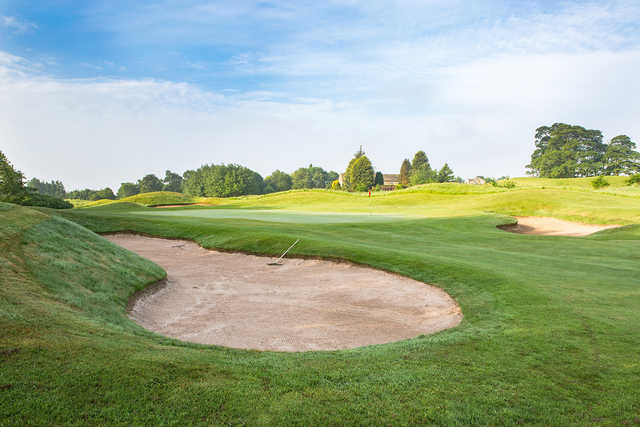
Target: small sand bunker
{"points": [[237, 300], [552, 227]]}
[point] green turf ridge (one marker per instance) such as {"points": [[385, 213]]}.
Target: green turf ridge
{"points": [[550, 332]]}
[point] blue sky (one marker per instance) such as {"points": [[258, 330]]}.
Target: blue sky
{"points": [[100, 92]]}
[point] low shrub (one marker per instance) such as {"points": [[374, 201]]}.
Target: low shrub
{"points": [[599, 182], [634, 179], [30, 198], [507, 183]]}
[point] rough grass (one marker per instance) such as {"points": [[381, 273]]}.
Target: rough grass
{"points": [[550, 334]]}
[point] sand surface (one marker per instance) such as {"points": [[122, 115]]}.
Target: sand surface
{"points": [[553, 227], [237, 300]]}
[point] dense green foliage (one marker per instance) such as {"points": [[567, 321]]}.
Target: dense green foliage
{"points": [[621, 157], [420, 161], [550, 333], [405, 172], [362, 176], [634, 179], [445, 174], [599, 182], [128, 189], [312, 177], [379, 179], [567, 151], [11, 179], [277, 181], [150, 183], [222, 181], [53, 188], [87, 194], [420, 172], [13, 190], [359, 175], [172, 182]]}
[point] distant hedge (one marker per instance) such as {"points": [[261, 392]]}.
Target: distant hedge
{"points": [[35, 199]]}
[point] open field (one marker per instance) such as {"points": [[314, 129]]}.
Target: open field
{"points": [[550, 334]]}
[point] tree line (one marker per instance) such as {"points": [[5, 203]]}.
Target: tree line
{"points": [[14, 190], [571, 151], [419, 171], [236, 180]]}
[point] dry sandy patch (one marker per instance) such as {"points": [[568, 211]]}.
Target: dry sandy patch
{"points": [[237, 300], [543, 226]]}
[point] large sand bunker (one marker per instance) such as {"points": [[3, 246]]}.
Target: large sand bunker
{"points": [[552, 227], [237, 300]]}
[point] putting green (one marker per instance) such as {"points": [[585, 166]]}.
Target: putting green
{"points": [[269, 215]]}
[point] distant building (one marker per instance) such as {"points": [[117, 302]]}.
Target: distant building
{"points": [[477, 181], [391, 178]]}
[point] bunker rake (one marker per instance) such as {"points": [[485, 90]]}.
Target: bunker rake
{"points": [[279, 260]]}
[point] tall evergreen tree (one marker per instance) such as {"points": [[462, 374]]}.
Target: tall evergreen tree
{"points": [[379, 179], [362, 175], [446, 174], [420, 160], [405, 172]]}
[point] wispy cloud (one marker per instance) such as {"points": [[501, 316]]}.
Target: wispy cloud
{"points": [[468, 84], [16, 25]]}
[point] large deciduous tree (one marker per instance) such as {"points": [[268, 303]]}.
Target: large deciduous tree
{"points": [[150, 183], [222, 181], [172, 182], [621, 157], [277, 181], [567, 151], [312, 177], [128, 189]]}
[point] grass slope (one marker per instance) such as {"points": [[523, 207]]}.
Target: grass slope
{"points": [[550, 333], [144, 199]]}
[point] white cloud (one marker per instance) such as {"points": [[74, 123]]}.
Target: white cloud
{"points": [[471, 96], [16, 25]]}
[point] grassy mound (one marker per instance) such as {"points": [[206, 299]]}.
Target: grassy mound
{"points": [[550, 333], [145, 199]]}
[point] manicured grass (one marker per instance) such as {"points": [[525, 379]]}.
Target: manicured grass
{"points": [[431, 200], [145, 199], [550, 335]]}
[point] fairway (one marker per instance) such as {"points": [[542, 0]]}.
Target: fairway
{"points": [[549, 334]]}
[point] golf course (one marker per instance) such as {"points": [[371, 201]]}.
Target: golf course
{"points": [[548, 329]]}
